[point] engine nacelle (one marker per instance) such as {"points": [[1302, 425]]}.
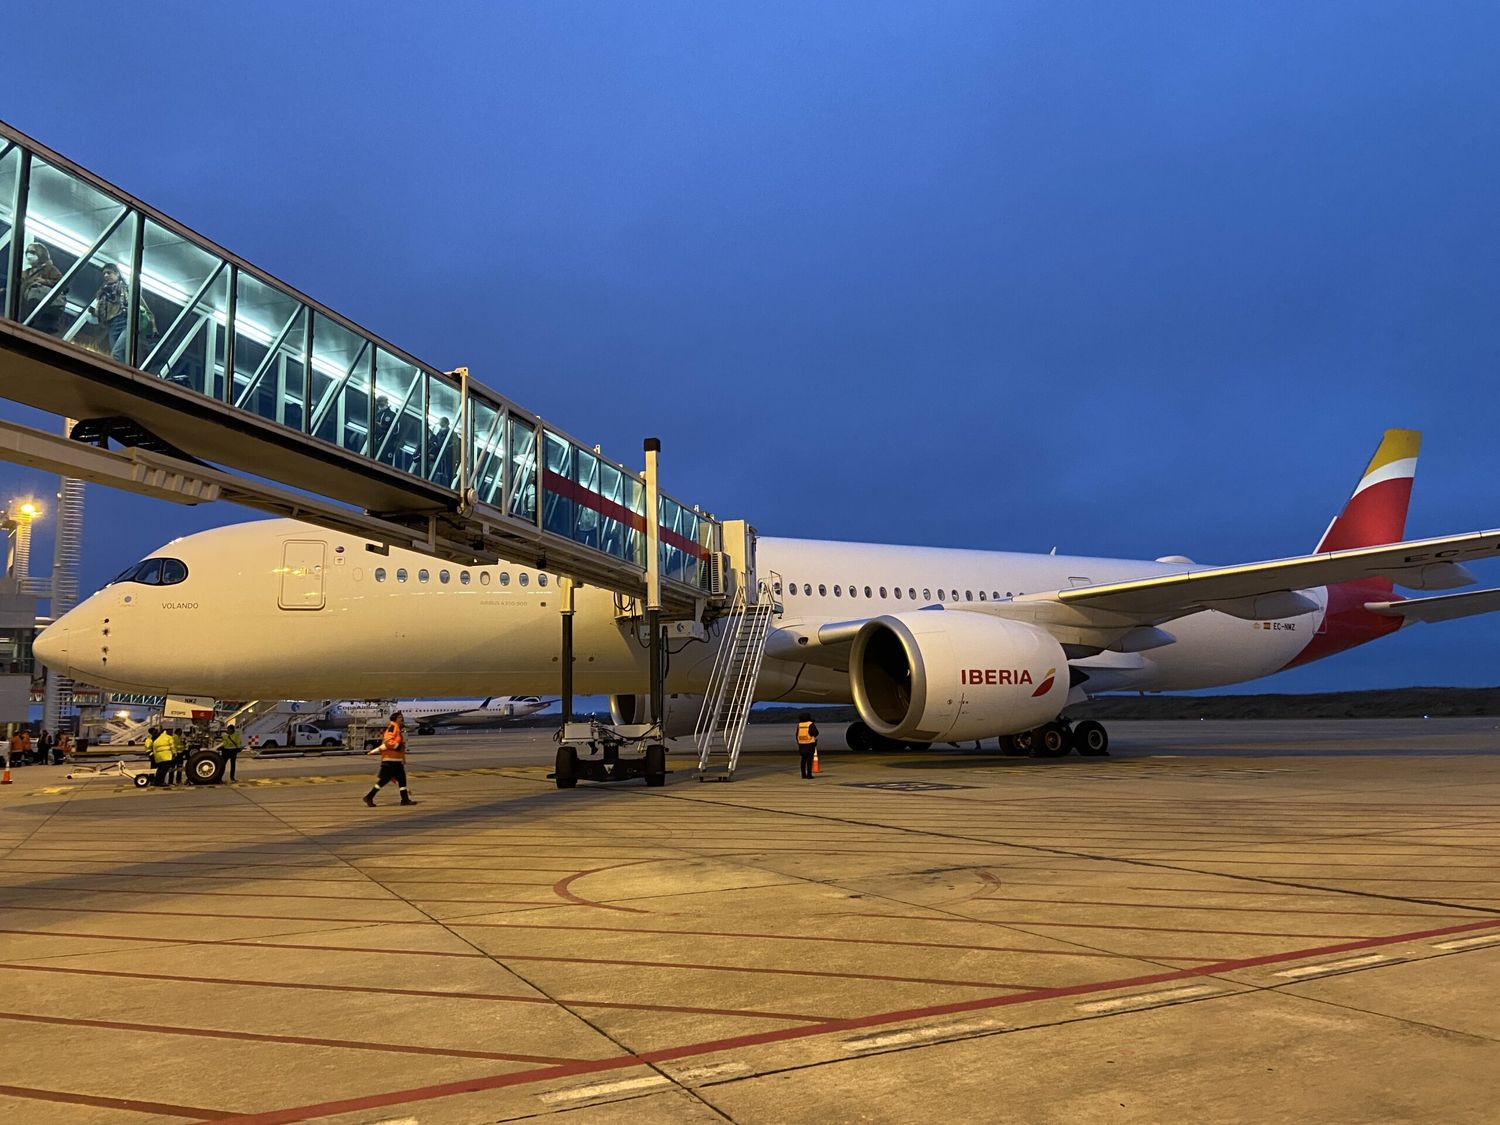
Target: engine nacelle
{"points": [[947, 676], [679, 712]]}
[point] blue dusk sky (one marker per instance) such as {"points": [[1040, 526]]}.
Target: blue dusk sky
{"points": [[1124, 279]]}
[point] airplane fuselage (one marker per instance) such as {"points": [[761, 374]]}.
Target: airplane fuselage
{"points": [[278, 609]]}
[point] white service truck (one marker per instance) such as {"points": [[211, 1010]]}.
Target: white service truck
{"points": [[293, 736]]}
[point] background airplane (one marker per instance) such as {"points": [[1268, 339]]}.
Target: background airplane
{"points": [[426, 715], [929, 644]]}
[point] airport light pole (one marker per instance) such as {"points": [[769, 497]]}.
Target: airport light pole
{"points": [[19, 516]]}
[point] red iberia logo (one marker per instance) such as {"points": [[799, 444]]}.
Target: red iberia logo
{"points": [[977, 676], [1046, 685]]}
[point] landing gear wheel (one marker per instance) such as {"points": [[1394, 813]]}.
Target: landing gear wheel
{"points": [[859, 737], [1024, 743], [1052, 741], [1091, 739], [567, 767], [1010, 746], [142, 780], [918, 746], [205, 767], [656, 765]]}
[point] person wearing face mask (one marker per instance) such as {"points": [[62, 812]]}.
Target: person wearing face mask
{"points": [[37, 280]]}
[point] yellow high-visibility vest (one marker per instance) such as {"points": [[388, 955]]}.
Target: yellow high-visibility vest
{"points": [[805, 735], [162, 748]]}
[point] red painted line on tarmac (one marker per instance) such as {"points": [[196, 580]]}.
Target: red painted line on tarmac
{"points": [[440, 994], [562, 891], [1103, 926], [668, 1054], [300, 1040], [820, 974], [163, 1109], [253, 917], [249, 943], [1241, 909], [966, 947]]}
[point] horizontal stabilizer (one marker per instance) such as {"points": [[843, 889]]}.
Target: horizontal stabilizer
{"points": [[1445, 607]]}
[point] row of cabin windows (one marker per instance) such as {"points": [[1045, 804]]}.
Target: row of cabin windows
{"points": [[444, 577], [943, 594]]}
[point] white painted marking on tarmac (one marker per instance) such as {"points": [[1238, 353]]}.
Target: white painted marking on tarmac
{"points": [[607, 1089], [1148, 999], [937, 1033], [1468, 942], [709, 1073], [1333, 966], [396, 1121]]}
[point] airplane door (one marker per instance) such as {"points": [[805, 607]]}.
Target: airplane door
{"points": [[301, 575]]}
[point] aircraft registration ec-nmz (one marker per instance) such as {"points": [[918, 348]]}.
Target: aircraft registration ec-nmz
{"points": [[929, 644]]}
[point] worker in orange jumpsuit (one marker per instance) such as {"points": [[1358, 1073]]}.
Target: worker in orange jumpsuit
{"points": [[392, 751]]}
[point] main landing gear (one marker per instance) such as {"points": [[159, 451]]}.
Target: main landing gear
{"points": [[1055, 739]]}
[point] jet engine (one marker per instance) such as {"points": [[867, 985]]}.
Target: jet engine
{"points": [[947, 676], [679, 712]]}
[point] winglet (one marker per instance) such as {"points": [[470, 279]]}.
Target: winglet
{"points": [[1376, 513]]}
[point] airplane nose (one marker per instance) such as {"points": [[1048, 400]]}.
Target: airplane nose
{"points": [[51, 646]]}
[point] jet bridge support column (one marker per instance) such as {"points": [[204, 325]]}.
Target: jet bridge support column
{"points": [[653, 578], [568, 607]]}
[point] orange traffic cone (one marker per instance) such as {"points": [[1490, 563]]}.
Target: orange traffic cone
{"points": [[5, 780], [816, 770]]}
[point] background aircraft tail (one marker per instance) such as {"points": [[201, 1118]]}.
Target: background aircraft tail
{"points": [[1376, 513]]}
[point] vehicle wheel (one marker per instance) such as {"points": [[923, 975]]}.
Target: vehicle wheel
{"points": [[567, 767], [1091, 739], [859, 737], [1010, 746], [142, 780], [330, 742], [1052, 741], [205, 767], [656, 764], [269, 744]]}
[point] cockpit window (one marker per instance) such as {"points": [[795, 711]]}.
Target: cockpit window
{"points": [[155, 572]]}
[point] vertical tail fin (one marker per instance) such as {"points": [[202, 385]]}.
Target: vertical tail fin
{"points": [[1376, 513]]}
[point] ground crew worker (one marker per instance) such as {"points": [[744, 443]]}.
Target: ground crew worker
{"points": [[392, 751], [230, 745], [179, 756], [807, 742], [163, 748]]}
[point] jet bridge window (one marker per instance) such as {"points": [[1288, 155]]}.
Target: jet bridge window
{"points": [[155, 572]]}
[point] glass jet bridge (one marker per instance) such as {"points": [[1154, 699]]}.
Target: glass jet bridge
{"points": [[156, 339]]}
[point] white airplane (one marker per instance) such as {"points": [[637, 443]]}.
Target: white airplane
{"points": [[929, 644], [426, 715]]}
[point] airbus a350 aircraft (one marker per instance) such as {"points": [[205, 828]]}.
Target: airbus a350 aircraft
{"points": [[929, 644], [426, 715]]}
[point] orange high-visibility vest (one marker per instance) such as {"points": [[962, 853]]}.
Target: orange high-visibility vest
{"points": [[393, 744], [805, 736]]}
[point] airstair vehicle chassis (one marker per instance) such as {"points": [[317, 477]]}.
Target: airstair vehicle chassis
{"points": [[595, 751]]}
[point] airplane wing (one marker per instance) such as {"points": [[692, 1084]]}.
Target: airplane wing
{"points": [[1447, 607], [1118, 614], [1268, 589]]}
